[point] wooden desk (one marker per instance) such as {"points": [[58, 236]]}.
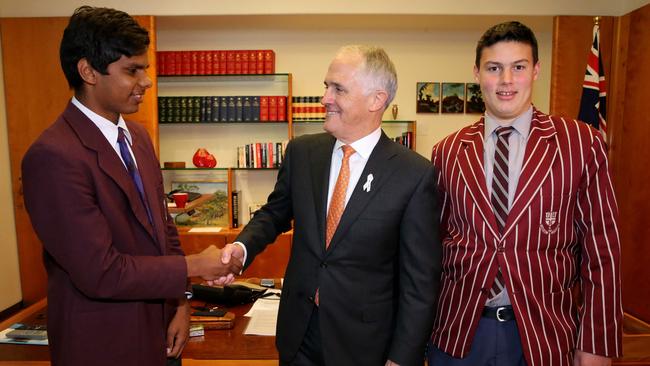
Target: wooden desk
{"points": [[217, 347], [233, 348]]}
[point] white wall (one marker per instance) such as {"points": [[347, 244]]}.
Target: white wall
{"points": [[423, 48]]}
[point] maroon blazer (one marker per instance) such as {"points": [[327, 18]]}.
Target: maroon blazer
{"points": [[109, 270], [561, 232]]}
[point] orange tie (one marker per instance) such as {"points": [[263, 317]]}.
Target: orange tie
{"points": [[337, 204]]}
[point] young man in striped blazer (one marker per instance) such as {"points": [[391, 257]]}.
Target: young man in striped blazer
{"points": [[529, 216]]}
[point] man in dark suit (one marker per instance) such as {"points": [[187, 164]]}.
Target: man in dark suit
{"points": [[117, 277], [529, 215], [358, 291]]}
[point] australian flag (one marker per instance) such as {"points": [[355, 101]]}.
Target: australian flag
{"points": [[594, 90]]}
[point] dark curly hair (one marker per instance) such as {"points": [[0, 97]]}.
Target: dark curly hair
{"points": [[101, 36]]}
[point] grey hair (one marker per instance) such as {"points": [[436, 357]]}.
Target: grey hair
{"points": [[377, 67]]}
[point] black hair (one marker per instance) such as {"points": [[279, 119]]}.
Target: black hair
{"points": [[101, 36], [507, 32]]}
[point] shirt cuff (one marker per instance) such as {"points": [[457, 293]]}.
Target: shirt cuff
{"points": [[245, 253]]}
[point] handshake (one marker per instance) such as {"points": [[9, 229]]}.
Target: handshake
{"points": [[217, 266]]}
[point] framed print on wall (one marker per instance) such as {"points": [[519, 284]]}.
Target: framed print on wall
{"points": [[453, 97], [427, 97], [474, 99], [211, 209]]}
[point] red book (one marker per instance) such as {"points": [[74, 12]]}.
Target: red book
{"points": [[264, 108], [252, 62], [159, 64], [282, 108], [200, 69], [208, 62], [194, 62], [215, 62], [186, 63], [223, 62], [260, 61], [258, 155], [178, 61], [244, 62], [230, 62], [237, 62], [269, 154], [269, 62], [273, 108]]}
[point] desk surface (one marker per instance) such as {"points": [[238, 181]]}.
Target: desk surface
{"points": [[228, 345], [231, 347]]}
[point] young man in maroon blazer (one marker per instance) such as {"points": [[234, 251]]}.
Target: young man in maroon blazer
{"points": [[529, 215], [117, 277]]}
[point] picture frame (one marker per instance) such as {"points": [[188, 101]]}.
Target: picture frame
{"points": [[474, 99], [453, 98], [211, 210], [427, 95]]}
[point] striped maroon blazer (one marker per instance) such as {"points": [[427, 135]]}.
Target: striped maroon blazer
{"points": [[560, 234]]}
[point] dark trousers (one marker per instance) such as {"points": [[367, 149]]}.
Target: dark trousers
{"points": [[311, 350], [495, 344]]}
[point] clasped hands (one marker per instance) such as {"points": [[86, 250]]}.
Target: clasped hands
{"points": [[216, 266]]}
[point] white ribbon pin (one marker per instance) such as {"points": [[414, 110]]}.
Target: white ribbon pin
{"points": [[366, 186]]}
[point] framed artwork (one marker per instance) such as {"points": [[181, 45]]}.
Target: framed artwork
{"points": [[453, 97], [427, 97], [474, 99], [211, 209]]}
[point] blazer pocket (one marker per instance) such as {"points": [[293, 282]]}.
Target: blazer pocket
{"points": [[376, 312]]}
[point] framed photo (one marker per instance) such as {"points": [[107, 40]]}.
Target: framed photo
{"points": [[474, 99], [211, 209], [453, 97], [427, 97]]}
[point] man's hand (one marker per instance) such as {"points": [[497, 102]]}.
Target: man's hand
{"points": [[231, 252], [209, 264], [581, 358], [178, 331]]}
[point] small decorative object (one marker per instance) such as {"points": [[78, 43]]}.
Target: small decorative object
{"points": [[203, 159], [174, 164], [428, 97], [394, 111]]}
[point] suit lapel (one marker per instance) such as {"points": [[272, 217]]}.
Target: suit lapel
{"points": [[381, 167], [541, 150], [108, 161], [470, 163], [142, 157], [320, 160]]}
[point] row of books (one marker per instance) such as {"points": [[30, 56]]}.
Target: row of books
{"points": [[222, 109], [307, 108], [405, 139], [261, 155], [215, 62]]}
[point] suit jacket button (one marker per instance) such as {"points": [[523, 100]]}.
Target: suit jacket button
{"points": [[323, 265], [310, 298]]}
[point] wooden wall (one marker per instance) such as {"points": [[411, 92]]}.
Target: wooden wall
{"points": [[625, 48]]}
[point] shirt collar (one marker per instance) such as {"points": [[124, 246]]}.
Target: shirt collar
{"points": [[521, 124], [108, 128], [364, 145]]}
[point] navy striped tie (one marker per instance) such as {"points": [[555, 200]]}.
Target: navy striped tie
{"points": [[500, 186], [132, 169]]}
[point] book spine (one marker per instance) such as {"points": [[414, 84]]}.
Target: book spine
{"points": [[260, 61], [244, 62], [269, 62], [223, 109], [235, 209], [273, 108], [207, 55], [186, 63], [264, 108], [232, 109], [238, 63], [282, 108], [255, 109], [230, 62], [248, 109], [239, 109], [252, 62]]}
